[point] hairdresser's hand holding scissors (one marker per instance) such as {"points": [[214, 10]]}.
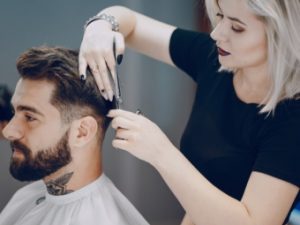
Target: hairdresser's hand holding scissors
{"points": [[134, 132], [140, 136], [96, 52]]}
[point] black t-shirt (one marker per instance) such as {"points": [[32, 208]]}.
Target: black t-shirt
{"points": [[225, 138]]}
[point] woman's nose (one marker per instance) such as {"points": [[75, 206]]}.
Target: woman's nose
{"points": [[219, 33]]}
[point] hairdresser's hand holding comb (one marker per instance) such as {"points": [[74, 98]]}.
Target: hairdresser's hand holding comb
{"points": [[141, 137]]}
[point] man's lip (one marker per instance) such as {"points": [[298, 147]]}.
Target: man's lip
{"points": [[14, 149], [222, 52]]}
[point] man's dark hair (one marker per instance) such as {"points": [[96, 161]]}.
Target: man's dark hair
{"points": [[73, 97], [5, 106]]}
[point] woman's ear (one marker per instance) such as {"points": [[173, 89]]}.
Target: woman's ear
{"points": [[83, 131]]}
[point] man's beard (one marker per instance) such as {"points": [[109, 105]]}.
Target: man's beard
{"points": [[44, 163]]}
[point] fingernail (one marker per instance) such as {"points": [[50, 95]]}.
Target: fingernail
{"points": [[109, 114], [82, 77], [110, 95], [119, 59], [103, 93]]}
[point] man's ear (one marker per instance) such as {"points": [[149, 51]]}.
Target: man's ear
{"points": [[82, 131]]}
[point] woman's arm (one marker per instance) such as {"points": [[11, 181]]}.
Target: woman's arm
{"points": [[186, 220], [266, 200], [141, 33]]}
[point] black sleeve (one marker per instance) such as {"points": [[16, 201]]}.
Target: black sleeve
{"points": [[279, 148], [193, 52]]}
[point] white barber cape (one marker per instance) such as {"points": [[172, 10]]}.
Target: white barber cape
{"points": [[99, 203]]}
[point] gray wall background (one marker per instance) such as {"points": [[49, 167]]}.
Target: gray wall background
{"points": [[163, 93]]}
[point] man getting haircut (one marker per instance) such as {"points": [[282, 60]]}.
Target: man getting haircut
{"points": [[56, 137]]}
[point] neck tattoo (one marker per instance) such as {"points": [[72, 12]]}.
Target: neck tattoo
{"points": [[59, 185]]}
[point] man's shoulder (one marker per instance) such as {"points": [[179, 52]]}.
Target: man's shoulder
{"points": [[29, 191], [24, 199], [32, 187]]}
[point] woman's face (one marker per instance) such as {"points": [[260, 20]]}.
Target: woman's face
{"points": [[240, 36]]}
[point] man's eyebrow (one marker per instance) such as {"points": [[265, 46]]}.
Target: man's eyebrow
{"points": [[236, 20], [29, 108]]}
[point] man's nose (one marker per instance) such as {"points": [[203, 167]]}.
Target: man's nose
{"points": [[12, 131]]}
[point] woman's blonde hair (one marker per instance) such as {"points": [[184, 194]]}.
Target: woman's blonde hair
{"points": [[281, 19]]}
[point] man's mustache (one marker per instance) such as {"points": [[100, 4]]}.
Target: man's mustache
{"points": [[21, 147]]}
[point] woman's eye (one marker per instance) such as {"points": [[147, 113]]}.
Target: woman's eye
{"points": [[237, 30], [219, 15]]}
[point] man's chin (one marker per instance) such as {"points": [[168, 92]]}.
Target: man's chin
{"points": [[25, 177], [23, 173]]}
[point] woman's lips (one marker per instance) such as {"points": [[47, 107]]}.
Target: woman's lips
{"points": [[222, 52]]}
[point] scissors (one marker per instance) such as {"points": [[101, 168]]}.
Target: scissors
{"points": [[115, 82]]}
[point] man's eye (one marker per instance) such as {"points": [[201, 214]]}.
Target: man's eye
{"points": [[29, 118]]}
